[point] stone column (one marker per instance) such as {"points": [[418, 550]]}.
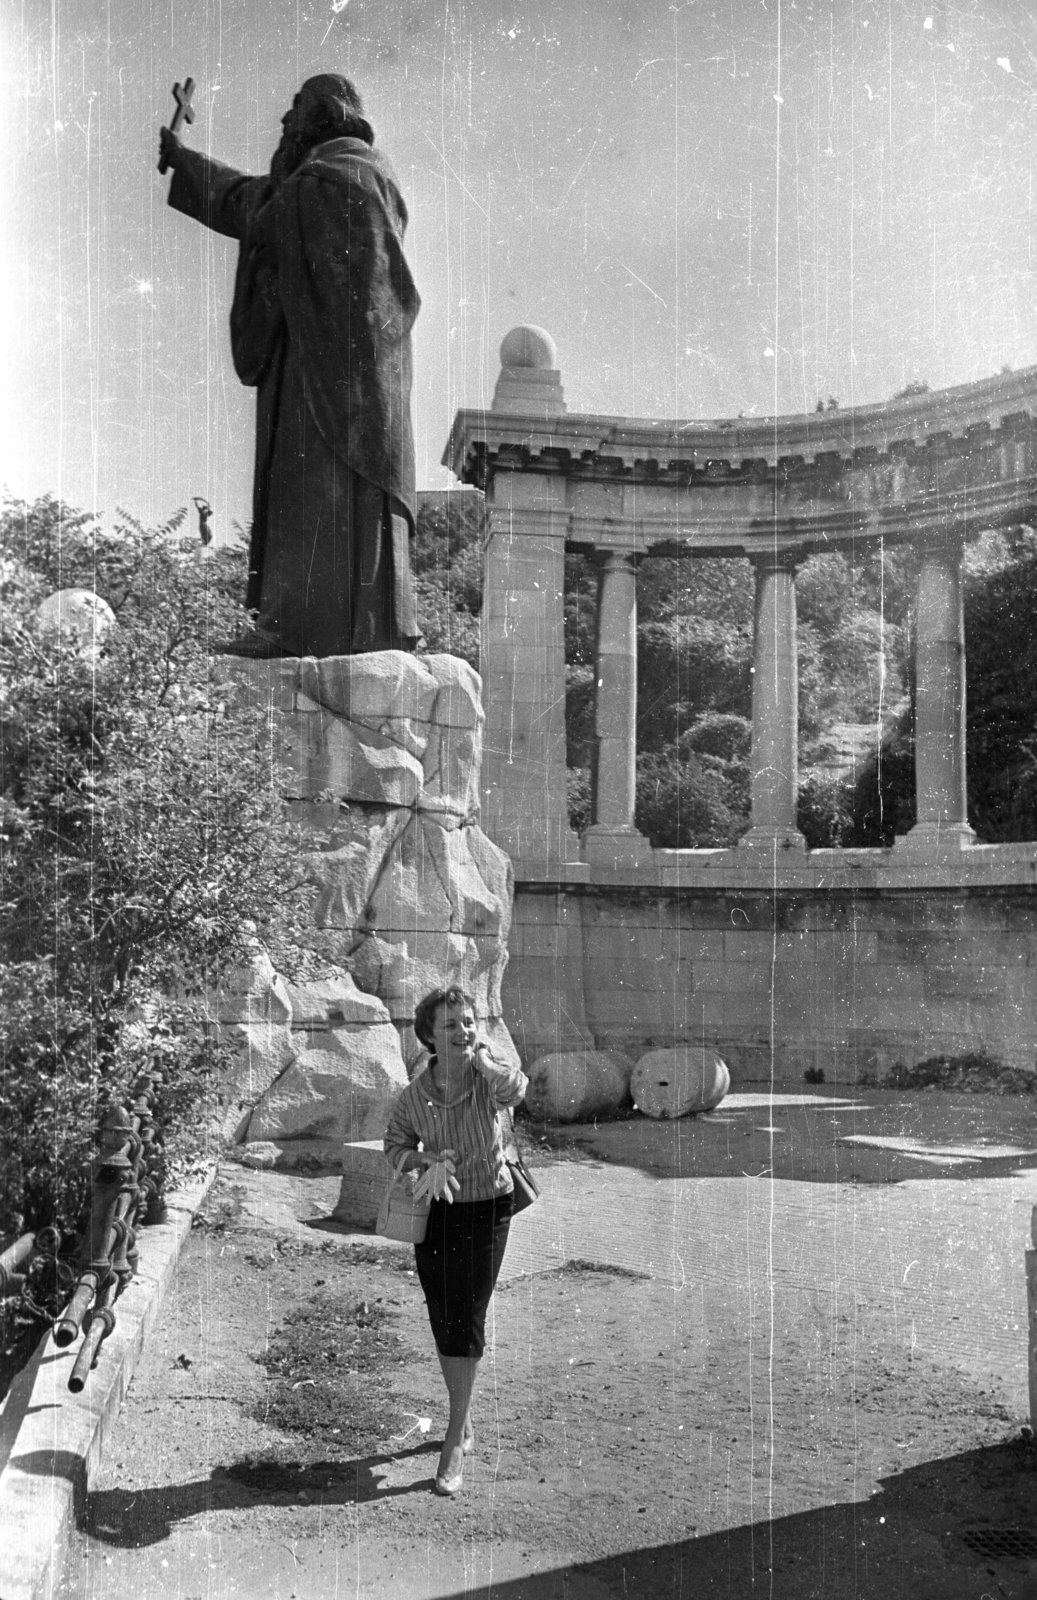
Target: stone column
{"points": [[612, 838], [775, 742], [524, 800], [940, 791]]}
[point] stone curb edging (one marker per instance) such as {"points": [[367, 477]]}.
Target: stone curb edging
{"points": [[50, 1440]]}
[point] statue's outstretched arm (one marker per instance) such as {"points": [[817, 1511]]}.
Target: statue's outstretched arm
{"points": [[212, 193]]}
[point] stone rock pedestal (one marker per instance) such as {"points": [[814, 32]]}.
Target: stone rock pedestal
{"points": [[384, 754]]}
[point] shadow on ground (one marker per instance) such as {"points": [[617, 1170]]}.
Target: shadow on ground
{"points": [[818, 1136], [936, 1532], [959, 1528], [132, 1518]]}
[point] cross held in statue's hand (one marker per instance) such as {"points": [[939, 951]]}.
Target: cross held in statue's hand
{"points": [[184, 112]]}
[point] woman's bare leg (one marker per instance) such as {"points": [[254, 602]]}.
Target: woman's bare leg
{"points": [[459, 1376]]}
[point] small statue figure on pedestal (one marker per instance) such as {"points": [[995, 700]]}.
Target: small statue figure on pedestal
{"points": [[324, 303]]}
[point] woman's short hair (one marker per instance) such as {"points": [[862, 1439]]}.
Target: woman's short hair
{"points": [[425, 1011]]}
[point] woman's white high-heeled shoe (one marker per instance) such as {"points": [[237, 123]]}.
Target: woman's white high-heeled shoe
{"points": [[452, 1482]]}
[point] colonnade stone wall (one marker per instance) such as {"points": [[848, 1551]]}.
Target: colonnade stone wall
{"points": [[851, 982], [782, 958]]}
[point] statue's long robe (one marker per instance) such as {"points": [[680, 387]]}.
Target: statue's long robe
{"points": [[323, 308]]}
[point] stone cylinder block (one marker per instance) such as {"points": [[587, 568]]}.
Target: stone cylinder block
{"points": [[679, 1081], [578, 1085], [365, 1176]]}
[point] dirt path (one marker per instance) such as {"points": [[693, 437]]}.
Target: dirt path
{"points": [[634, 1436]]}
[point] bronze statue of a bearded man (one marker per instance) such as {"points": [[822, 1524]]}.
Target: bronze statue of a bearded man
{"points": [[324, 303]]}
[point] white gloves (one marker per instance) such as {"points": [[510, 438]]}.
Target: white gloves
{"points": [[438, 1179]]}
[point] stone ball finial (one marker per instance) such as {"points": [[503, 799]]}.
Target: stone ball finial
{"points": [[530, 384], [78, 615], [527, 346]]}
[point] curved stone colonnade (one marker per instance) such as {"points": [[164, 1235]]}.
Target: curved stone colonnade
{"points": [[930, 469], [623, 947]]}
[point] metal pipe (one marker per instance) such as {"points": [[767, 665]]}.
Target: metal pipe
{"points": [[16, 1255], [66, 1329], [99, 1324]]}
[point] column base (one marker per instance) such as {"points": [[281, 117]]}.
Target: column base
{"points": [[606, 846], [936, 839], [772, 839]]}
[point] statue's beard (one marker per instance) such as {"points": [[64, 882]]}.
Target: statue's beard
{"points": [[290, 153]]}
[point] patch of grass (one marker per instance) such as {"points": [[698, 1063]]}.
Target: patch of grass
{"points": [[331, 1365], [372, 1255], [967, 1074], [287, 1249], [222, 1210], [604, 1269]]}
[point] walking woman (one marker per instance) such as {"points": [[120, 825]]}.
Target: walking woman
{"points": [[445, 1125]]}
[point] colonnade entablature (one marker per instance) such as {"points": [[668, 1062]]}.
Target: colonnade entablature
{"points": [[929, 468]]}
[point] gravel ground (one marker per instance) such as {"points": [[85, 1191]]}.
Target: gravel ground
{"points": [[776, 1417]]}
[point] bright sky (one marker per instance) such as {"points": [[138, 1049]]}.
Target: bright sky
{"points": [[714, 207]]}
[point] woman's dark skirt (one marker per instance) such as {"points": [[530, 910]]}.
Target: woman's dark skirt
{"points": [[458, 1261]]}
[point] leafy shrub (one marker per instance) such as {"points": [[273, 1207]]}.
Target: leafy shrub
{"points": [[823, 811], [722, 735], [141, 845], [688, 803], [578, 781], [972, 1073], [448, 572], [882, 805]]}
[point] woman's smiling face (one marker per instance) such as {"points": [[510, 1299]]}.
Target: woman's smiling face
{"points": [[454, 1033]]}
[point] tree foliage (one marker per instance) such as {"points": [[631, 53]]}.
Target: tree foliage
{"points": [[448, 572], [141, 844]]}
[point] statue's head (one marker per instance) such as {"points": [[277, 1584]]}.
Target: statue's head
{"points": [[326, 107]]}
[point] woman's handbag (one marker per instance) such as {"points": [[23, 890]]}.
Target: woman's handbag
{"points": [[524, 1187], [400, 1216]]}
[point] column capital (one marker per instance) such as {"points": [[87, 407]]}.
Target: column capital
{"points": [[783, 560], [948, 544], [613, 560]]}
